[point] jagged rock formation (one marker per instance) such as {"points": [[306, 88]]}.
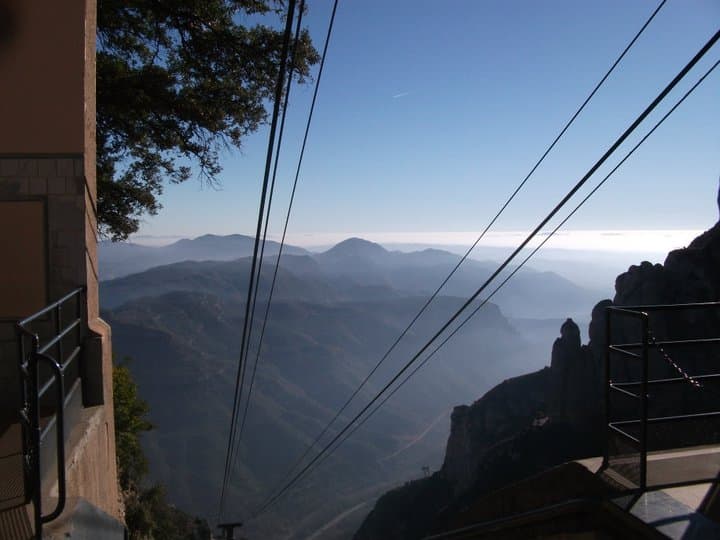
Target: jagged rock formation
{"points": [[476, 430], [532, 422]]}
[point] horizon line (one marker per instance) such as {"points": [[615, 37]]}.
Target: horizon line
{"points": [[643, 240]]}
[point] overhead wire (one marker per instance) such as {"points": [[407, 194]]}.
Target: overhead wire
{"points": [[273, 126], [292, 197], [520, 266], [434, 295], [701, 53], [293, 59]]}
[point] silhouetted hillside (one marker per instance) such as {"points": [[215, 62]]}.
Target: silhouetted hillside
{"points": [[184, 348], [333, 316], [119, 259], [532, 422]]}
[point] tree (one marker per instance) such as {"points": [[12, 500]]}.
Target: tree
{"points": [[177, 81], [147, 513], [130, 422]]}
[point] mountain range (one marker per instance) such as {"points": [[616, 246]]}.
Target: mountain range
{"points": [[539, 420], [333, 316], [119, 259], [354, 268]]}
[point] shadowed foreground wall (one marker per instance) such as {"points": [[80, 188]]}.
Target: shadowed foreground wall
{"points": [[48, 229]]}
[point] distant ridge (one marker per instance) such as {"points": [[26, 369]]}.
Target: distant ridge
{"points": [[350, 266], [118, 259]]}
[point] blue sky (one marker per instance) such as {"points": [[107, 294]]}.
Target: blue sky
{"points": [[430, 113]]}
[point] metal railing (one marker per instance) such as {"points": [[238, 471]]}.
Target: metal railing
{"points": [[632, 434], [47, 364]]}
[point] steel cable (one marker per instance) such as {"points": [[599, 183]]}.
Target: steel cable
{"points": [[701, 53], [474, 245]]}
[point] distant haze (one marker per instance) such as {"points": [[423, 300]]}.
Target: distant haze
{"points": [[627, 241], [590, 258]]}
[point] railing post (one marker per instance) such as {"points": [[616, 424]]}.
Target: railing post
{"points": [[608, 343], [59, 436], [80, 301], [34, 410], [81, 315], [644, 412], [24, 414], [58, 331]]}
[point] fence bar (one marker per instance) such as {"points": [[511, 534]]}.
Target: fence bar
{"points": [[644, 405], [625, 434], [617, 349], [673, 342], [664, 307], [671, 380], [49, 308], [32, 391], [643, 422], [608, 382], [629, 311], [623, 391], [69, 328], [63, 365]]}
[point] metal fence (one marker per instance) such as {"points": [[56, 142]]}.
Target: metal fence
{"points": [[50, 344], [665, 393]]}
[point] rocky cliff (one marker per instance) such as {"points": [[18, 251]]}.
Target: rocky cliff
{"points": [[532, 422]]}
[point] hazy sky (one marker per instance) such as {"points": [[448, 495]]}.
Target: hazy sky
{"points": [[430, 113]]}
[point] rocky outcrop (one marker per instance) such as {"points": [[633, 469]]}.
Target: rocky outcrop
{"points": [[566, 397], [535, 421], [691, 274], [510, 407]]}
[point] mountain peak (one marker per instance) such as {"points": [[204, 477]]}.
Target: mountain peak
{"points": [[358, 247]]}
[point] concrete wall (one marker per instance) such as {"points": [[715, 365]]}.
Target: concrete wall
{"points": [[42, 61], [58, 182], [47, 154]]}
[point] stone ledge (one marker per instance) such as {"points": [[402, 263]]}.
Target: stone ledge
{"points": [[83, 521]]}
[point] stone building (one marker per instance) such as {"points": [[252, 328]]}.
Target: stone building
{"points": [[48, 250]]}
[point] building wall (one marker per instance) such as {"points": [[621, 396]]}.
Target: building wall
{"points": [[42, 61], [47, 154], [35, 275]]}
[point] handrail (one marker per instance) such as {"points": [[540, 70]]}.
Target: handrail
{"points": [[675, 418], [623, 391], [617, 349], [627, 311], [614, 427], [670, 380], [692, 341], [52, 306], [68, 360], [59, 436], [56, 339], [647, 339], [33, 391], [664, 307]]}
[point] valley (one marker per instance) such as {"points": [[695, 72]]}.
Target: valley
{"points": [[333, 316]]}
